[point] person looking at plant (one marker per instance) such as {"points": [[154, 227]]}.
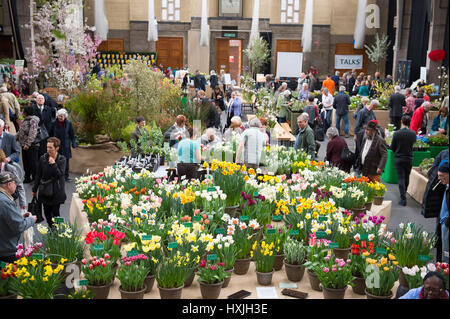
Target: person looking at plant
{"points": [[62, 129], [176, 132], [137, 133], [433, 288], [12, 222], [49, 184], [440, 122], [189, 156], [419, 121], [235, 126], [252, 145], [282, 106]]}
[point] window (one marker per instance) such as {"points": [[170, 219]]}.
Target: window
{"points": [[290, 11], [170, 10]]}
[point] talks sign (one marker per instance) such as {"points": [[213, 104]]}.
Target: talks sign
{"points": [[348, 62]]}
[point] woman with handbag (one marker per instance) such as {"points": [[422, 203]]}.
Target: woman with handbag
{"points": [[28, 138], [335, 147], [49, 184]]}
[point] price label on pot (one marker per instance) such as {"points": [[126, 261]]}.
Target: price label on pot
{"points": [[220, 231], [83, 282], [197, 218], [37, 256], [132, 253], [333, 245], [243, 218], [187, 225], [364, 237], [146, 237], [294, 232], [271, 231], [255, 194], [277, 218], [211, 257], [424, 257], [210, 217], [172, 245], [97, 247], [321, 234], [323, 218], [59, 220], [382, 251], [211, 189], [107, 229], [2, 265]]}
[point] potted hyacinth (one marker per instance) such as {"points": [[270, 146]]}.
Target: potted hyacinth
{"points": [[132, 273], [334, 275], [295, 257], [211, 277], [100, 275]]}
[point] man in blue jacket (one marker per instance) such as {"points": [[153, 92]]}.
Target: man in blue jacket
{"points": [[341, 103]]}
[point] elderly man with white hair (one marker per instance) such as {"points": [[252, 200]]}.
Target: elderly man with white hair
{"points": [[62, 129], [303, 94], [252, 144], [396, 103], [305, 139], [8, 144]]}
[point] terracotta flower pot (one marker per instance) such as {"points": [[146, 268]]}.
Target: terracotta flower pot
{"points": [[378, 200], [314, 281], [294, 273], [149, 281], [241, 266], [100, 292], [170, 293], [278, 264], [264, 278], [359, 286], [370, 296], [331, 293], [342, 253], [227, 280], [210, 291], [133, 294]]}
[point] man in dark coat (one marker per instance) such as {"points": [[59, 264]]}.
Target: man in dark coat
{"points": [[45, 114], [51, 168], [396, 103], [351, 82], [402, 146], [365, 115], [199, 81], [62, 129], [373, 155], [341, 103], [432, 199]]}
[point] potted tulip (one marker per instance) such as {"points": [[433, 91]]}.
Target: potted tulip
{"points": [[171, 275], [8, 271], [263, 255], [211, 277], [132, 273], [316, 251], [100, 275], [334, 275], [295, 257], [226, 250], [242, 234], [385, 272]]}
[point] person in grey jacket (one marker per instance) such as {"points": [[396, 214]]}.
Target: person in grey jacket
{"points": [[305, 139], [8, 144], [12, 222], [9, 167], [27, 140], [365, 116]]}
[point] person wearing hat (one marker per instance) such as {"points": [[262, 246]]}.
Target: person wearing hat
{"points": [[12, 222], [443, 177], [373, 153], [402, 146], [282, 106]]}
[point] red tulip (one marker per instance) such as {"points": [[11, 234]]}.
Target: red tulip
{"points": [[202, 263], [116, 242]]}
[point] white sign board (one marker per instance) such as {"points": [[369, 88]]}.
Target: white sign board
{"points": [[423, 73], [227, 79], [260, 78], [289, 64], [348, 62]]}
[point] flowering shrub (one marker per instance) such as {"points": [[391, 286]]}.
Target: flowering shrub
{"points": [[211, 273]]}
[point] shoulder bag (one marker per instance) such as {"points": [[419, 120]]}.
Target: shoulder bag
{"points": [[348, 156], [319, 133]]}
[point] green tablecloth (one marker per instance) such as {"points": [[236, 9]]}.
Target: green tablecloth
{"points": [[435, 150], [390, 173]]}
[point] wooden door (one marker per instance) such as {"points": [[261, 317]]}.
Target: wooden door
{"points": [[222, 55], [170, 52], [116, 45], [287, 46], [348, 49]]}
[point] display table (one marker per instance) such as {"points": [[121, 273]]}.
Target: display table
{"points": [[419, 157], [417, 185], [435, 150]]}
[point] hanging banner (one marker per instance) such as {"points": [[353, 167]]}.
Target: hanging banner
{"points": [[348, 62]]}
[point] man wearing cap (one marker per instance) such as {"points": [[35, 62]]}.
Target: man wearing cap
{"points": [[402, 146], [443, 176], [12, 222], [373, 153]]}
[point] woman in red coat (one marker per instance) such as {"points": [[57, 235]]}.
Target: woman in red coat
{"points": [[334, 150], [419, 121]]}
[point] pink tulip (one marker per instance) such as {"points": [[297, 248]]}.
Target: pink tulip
{"points": [[333, 269], [84, 261], [342, 264], [91, 266], [326, 270]]}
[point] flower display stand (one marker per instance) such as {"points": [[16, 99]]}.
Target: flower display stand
{"points": [[420, 156], [435, 150]]}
